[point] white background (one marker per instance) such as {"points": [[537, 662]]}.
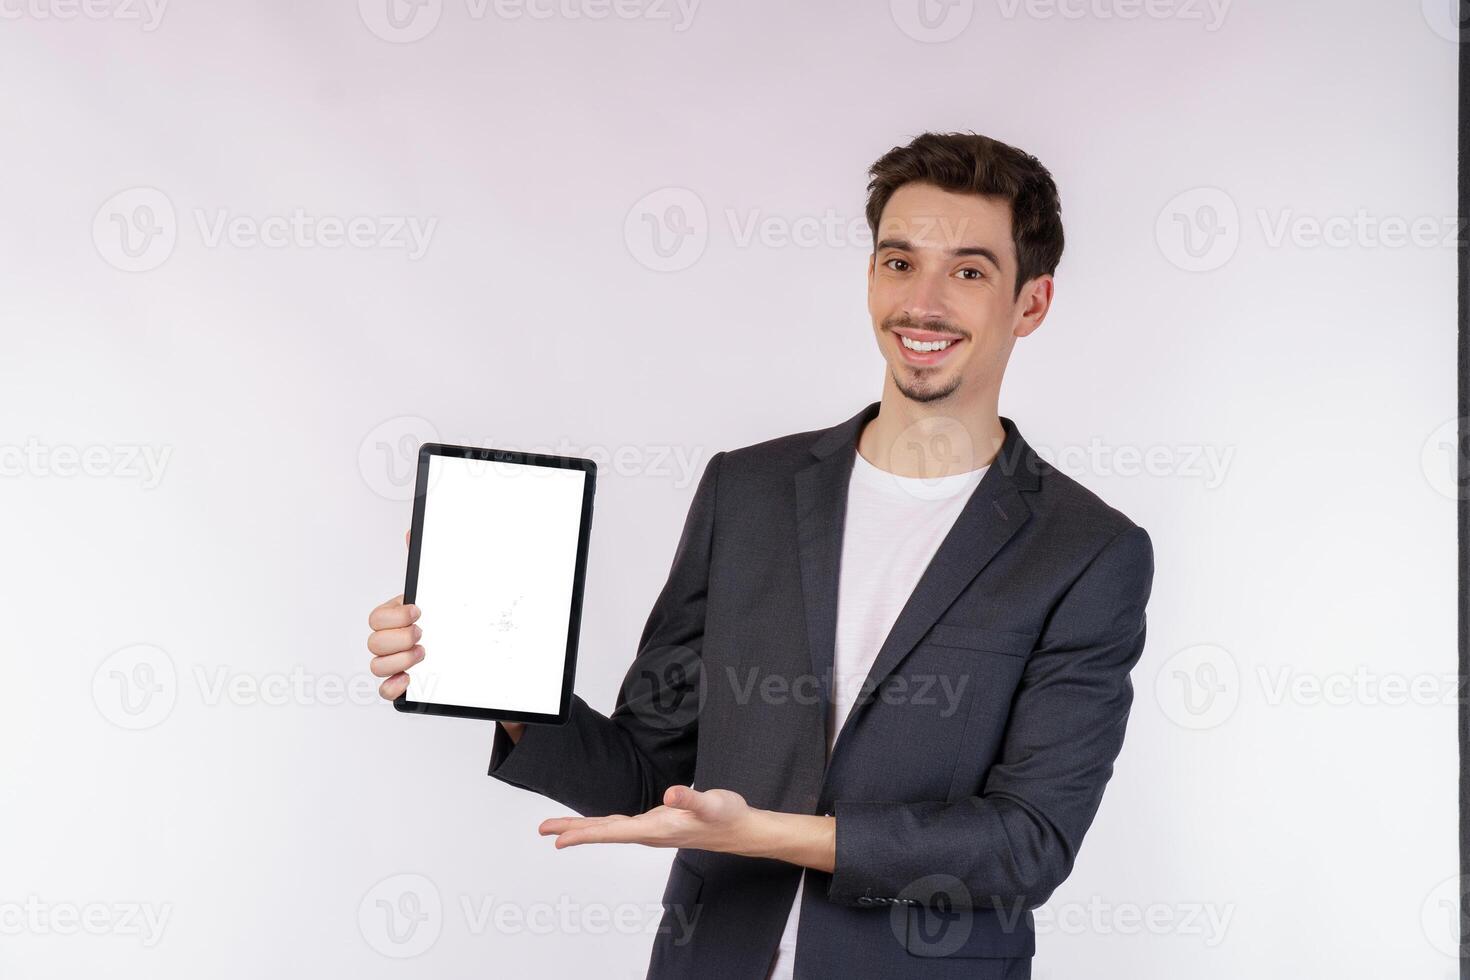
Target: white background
{"points": [[189, 726]]}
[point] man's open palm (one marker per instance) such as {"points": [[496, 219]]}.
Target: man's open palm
{"points": [[713, 820]]}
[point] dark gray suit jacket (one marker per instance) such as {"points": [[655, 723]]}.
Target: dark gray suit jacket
{"points": [[962, 784]]}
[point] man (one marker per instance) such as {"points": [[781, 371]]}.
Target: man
{"points": [[876, 773]]}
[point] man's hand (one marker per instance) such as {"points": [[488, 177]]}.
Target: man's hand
{"points": [[712, 820], [715, 820], [394, 644]]}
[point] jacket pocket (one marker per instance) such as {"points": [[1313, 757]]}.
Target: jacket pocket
{"points": [[969, 933], [979, 638], [681, 902]]}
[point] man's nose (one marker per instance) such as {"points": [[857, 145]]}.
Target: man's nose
{"points": [[925, 300]]}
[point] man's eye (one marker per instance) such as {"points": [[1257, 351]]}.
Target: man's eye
{"points": [[893, 263], [977, 274]]}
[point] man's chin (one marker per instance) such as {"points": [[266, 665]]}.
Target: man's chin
{"points": [[925, 391]]}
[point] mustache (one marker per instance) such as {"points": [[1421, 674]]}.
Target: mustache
{"points": [[934, 326]]}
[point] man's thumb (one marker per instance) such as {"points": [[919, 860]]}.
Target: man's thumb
{"points": [[683, 797]]}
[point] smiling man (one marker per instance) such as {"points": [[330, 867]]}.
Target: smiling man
{"points": [[878, 699]]}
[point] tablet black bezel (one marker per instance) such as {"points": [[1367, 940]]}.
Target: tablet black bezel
{"points": [[574, 621]]}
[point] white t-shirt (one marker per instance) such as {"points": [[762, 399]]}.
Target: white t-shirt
{"points": [[894, 526]]}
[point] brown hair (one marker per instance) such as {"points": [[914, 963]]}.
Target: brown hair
{"points": [[974, 164]]}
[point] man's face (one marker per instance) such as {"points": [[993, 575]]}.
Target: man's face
{"points": [[943, 275]]}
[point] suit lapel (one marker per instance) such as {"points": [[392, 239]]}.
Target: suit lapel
{"points": [[994, 512], [821, 509]]}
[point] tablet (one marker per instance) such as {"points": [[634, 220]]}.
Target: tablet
{"points": [[496, 560]]}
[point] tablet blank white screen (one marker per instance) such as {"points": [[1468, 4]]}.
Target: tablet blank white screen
{"points": [[497, 561]]}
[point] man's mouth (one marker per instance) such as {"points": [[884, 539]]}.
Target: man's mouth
{"points": [[923, 348]]}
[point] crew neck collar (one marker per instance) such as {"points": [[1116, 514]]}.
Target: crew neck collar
{"points": [[920, 487]]}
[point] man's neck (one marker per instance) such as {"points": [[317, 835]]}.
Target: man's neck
{"points": [[931, 439]]}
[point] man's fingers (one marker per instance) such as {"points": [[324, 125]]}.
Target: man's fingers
{"points": [[393, 686], [627, 830], [405, 538], [382, 642], [560, 825], [392, 614], [394, 643], [393, 663]]}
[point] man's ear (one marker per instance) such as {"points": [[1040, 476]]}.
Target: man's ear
{"points": [[1034, 303]]}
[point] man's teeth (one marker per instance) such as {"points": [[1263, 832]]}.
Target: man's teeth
{"points": [[924, 345]]}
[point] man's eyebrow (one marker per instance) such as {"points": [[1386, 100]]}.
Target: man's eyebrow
{"points": [[904, 245]]}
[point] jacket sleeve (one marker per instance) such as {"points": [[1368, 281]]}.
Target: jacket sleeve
{"points": [[1016, 842], [599, 765]]}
